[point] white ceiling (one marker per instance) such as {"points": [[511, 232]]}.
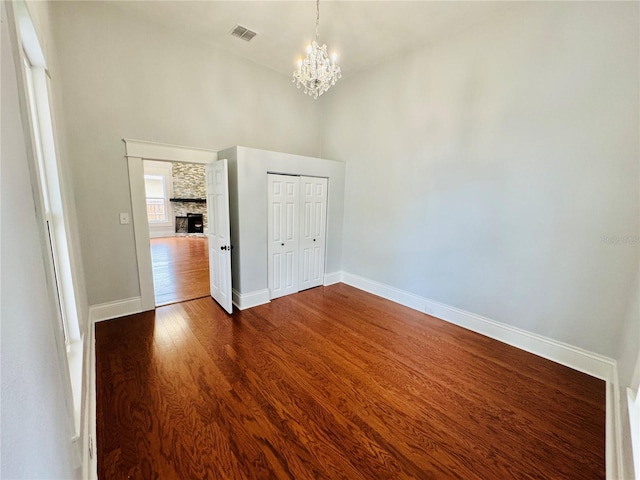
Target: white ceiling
{"points": [[362, 33]]}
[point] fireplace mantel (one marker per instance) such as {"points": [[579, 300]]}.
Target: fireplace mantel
{"points": [[188, 200]]}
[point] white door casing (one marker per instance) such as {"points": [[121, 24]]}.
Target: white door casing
{"points": [[283, 231], [136, 151], [219, 233], [313, 221]]}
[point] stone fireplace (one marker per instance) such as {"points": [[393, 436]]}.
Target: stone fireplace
{"points": [[189, 197]]}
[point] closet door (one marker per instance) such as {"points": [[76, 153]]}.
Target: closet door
{"points": [[283, 232], [313, 221]]}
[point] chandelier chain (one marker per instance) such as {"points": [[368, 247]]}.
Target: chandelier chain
{"points": [[317, 18]]}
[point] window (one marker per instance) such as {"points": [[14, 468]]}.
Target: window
{"points": [[156, 198], [52, 203]]}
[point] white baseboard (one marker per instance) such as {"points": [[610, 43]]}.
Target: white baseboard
{"points": [[118, 308], [251, 299], [576, 358], [170, 232], [331, 278], [579, 359]]}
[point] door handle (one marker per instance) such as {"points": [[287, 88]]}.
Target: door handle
{"points": [[224, 247], [314, 239], [282, 244]]}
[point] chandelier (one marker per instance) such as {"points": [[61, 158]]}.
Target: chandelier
{"points": [[316, 73]]}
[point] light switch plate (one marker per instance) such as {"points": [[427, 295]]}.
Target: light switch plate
{"points": [[124, 219]]}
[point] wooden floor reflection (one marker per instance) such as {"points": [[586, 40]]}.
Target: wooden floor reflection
{"points": [[334, 383], [180, 268]]}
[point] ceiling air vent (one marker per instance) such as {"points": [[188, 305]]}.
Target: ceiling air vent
{"points": [[243, 32]]}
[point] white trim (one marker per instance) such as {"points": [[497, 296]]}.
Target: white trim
{"points": [[332, 278], [168, 153], [251, 299], [579, 359], [613, 431], [75, 357], [617, 418], [119, 308], [635, 382], [385, 291], [633, 405], [90, 463], [141, 232]]}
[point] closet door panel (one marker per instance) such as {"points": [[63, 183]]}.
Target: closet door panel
{"points": [[313, 218], [284, 230]]}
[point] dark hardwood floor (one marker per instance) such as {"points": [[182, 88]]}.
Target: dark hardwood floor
{"points": [[180, 268], [334, 383]]}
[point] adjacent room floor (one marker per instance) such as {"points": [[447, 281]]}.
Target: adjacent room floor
{"points": [[334, 383], [180, 268]]}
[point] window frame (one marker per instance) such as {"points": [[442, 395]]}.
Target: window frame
{"points": [[51, 207], [164, 170], [165, 199]]}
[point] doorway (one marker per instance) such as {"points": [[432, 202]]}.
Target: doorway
{"points": [[177, 218], [136, 152]]}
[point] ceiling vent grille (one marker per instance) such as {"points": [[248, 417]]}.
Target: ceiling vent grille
{"points": [[243, 32]]}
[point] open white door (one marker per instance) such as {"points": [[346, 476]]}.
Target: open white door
{"points": [[219, 233]]}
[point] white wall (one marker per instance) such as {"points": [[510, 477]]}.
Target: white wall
{"points": [[36, 427], [248, 168], [484, 171], [125, 77]]}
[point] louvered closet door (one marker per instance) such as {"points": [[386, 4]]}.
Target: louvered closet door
{"points": [[313, 220], [283, 231]]}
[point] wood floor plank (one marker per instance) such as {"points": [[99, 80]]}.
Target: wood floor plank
{"points": [[334, 383], [180, 268]]}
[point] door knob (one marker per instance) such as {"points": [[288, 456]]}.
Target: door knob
{"points": [[223, 247], [282, 244], [314, 239]]}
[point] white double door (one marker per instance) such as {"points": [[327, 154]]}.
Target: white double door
{"points": [[296, 233]]}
